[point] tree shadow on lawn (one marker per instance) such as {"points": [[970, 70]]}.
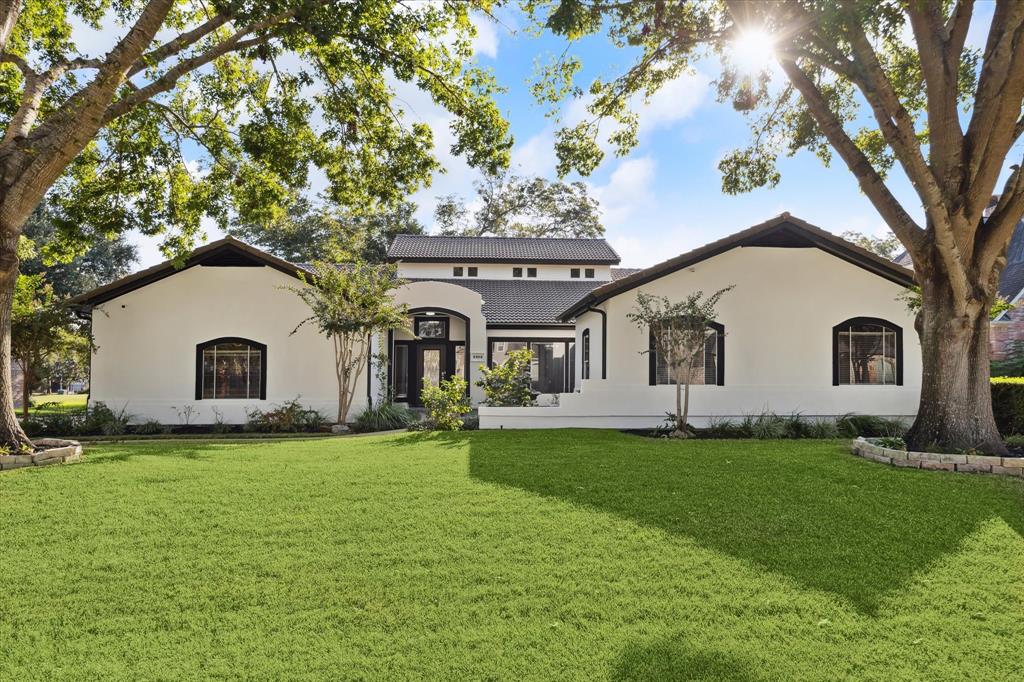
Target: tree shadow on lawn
{"points": [[676, 659], [111, 453], [805, 509]]}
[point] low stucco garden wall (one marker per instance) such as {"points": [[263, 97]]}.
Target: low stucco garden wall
{"points": [[986, 464]]}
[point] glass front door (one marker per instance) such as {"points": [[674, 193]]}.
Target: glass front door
{"points": [[431, 363]]}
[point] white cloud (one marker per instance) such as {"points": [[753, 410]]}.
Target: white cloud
{"points": [[486, 40]]}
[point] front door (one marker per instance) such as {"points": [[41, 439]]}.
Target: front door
{"points": [[431, 364]]}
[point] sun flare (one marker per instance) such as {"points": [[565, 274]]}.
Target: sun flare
{"points": [[751, 51]]}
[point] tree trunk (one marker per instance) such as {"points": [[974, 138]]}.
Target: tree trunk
{"points": [[26, 391], [11, 434], [680, 424], [955, 412]]}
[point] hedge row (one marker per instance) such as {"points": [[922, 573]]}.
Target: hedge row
{"points": [[1008, 404]]}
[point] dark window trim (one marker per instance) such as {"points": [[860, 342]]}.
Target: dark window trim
{"points": [[585, 354], [468, 326], [517, 272], [867, 320], [531, 272], [574, 273], [568, 378], [457, 271], [588, 273], [652, 363], [431, 318], [472, 271], [261, 347]]}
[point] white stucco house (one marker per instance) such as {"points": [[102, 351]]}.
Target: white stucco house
{"points": [[813, 325]]}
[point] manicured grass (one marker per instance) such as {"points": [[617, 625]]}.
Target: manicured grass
{"points": [[65, 402], [508, 555]]}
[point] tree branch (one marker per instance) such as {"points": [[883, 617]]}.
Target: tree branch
{"points": [[9, 12], [1000, 85], [871, 183], [170, 77], [175, 46]]}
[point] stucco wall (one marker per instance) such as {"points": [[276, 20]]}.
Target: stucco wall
{"points": [[778, 345], [146, 355], [460, 300]]}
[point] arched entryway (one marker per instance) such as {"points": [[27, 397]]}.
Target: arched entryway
{"points": [[438, 347]]}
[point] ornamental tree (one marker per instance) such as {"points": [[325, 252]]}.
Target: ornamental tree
{"points": [[679, 336], [219, 110], [878, 84], [350, 305]]}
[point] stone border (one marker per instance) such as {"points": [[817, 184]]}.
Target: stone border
{"points": [[987, 464], [56, 451]]}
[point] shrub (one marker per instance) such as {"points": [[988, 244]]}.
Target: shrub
{"points": [[150, 427], [893, 443], [289, 417], [508, 384], [383, 417], [446, 404], [870, 426], [101, 420], [1008, 404]]}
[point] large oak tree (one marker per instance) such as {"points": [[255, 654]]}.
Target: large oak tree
{"points": [[219, 109], [877, 83]]}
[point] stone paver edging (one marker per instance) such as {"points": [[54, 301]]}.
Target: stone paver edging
{"points": [[56, 451], [987, 464]]}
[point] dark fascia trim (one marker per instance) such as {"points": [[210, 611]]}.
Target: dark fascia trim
{"points": [[604, 340], [200, 347], [867, 320], [503, 259], [652, 358], [204, 254], [464, 318], [813, 235]]}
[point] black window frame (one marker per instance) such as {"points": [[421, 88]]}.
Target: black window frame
{"points": [[517, 272], [472, 271], [261, 347], [569, 369], [574, 273], [885, 324], [457, 271], [585, 354], [531, 272], [652, 368], [588, 273], [419, 319]]}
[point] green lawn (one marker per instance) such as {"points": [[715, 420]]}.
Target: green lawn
{"points": [[66, 402], [508, 555]]}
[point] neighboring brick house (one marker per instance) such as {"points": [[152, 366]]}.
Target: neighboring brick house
{"points": [[1009, 326]]}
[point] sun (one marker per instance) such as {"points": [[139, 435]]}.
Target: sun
{"points": [[752, 50]]}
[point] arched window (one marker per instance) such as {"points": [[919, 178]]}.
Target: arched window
{"points": [[585, 341], [231, 368], [708, 370], [867, 350]]}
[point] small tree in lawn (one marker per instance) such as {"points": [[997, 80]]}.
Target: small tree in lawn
{"points": [[349, 306], [41, 329], [679, 333]]}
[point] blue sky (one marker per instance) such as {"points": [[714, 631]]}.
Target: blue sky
{"points": [[665, 198]]}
